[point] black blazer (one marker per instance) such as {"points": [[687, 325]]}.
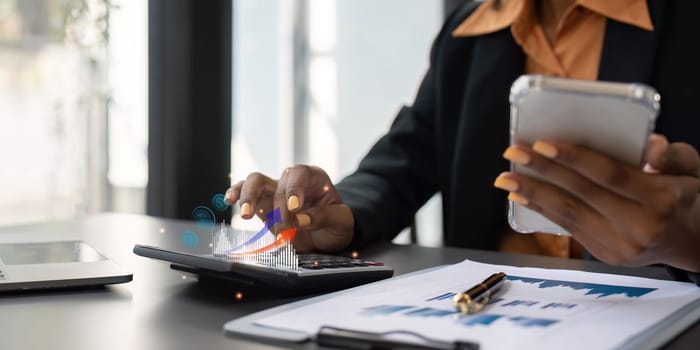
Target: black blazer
{"points": [[452, 138]]}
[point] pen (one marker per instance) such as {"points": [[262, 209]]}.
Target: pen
{"points": [[474, 299]]}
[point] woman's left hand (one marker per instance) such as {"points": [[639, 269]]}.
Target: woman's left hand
{"points": [[621, 214]]}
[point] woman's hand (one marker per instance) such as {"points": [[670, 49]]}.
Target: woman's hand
{"points": [[306, 199], [621, 214]]}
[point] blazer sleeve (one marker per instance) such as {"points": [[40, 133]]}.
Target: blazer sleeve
{"points": [[399, 174]]}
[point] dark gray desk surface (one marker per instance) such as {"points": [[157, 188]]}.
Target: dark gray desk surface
{"points": [[160, 310]]}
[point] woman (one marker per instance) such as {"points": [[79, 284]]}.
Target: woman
{"points": [[451, 140]]}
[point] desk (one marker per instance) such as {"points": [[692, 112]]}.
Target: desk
{"points": [[160, 310]]}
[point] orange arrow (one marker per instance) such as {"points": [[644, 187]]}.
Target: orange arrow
{"points": [[284, 237]]}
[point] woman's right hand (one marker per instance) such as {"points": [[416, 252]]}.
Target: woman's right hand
{"points": [[306, 199]]}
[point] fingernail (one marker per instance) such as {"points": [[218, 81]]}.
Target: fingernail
{"points": [[505, 183], [227, 197], [293, 202], [245, 209], [516, 155], [303, 220], [517, 198], [546, 149]]}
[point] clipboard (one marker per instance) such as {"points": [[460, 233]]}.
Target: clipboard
{"points": [[246, 327], [258, 327]]}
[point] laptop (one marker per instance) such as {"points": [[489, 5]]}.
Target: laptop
{"points": [[65, 264]]}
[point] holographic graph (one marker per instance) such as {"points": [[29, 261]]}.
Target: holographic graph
{"points": [[190, 239], [484, 319], [203, 217], [263, 248], [218, 201], [601, 290]]}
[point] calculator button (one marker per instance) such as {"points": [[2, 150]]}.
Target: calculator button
{"points": [[311, 266]]}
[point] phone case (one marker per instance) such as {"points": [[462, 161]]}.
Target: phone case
{"points": [[611, 118]]}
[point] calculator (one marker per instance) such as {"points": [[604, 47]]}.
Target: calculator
{"points": [[309, 272]]}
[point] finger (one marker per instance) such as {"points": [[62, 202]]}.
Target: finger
{"points": [[330, 227], [607, 172], [608, 204], [279, 202], [679, 159], [656, 146], [233, 193], [297, 181], [254, 187], [575, 216], [596, 247], [264, 207]]}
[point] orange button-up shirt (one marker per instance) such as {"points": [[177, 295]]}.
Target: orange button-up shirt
{"points": [[573, 51]]}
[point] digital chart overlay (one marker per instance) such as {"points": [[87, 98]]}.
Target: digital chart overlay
{"points": [[263, 248]]}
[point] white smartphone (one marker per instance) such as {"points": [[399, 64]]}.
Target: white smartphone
{"points": [[612, 118]]}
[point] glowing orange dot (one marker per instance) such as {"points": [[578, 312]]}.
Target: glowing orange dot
{"points": [[326, 188], [211, 245], [315, 263], [261, 211], [162, 230], [184, 277], [239, 296], [355, 255]]}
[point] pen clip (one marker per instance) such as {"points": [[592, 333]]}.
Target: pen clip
{"points": [[351, 339]]}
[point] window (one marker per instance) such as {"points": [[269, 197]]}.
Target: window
{"points": [[318, 81], [57, 87]]}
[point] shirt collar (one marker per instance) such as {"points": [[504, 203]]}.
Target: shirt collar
{"points": [[487, 19]]}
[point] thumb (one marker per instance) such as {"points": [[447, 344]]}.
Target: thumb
{"points": [[679, 159], [331, 217], [653, 153], [330, 227]]}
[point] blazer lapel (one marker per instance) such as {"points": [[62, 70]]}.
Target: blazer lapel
{"points": [[629, 52], [482, 135]]}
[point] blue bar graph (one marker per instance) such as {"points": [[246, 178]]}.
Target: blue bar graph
{"points": [[532, 322], [430, 312], [447, 295], [385, 309], [482, 319], [478, 319], [601, 290]]}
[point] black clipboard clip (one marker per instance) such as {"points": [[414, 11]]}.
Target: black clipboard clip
{"points": [[350, 339]]}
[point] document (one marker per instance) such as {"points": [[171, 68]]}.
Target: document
{"points": [[535, 308]]}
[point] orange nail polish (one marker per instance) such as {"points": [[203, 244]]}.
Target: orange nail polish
{"points": [[292, 202], [245, 209], [505, 183], [516, 155], [303, 220], [546, 149], [517, 198]]}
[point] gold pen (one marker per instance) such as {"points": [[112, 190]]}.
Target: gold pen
{"points": [[474, 299]]}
